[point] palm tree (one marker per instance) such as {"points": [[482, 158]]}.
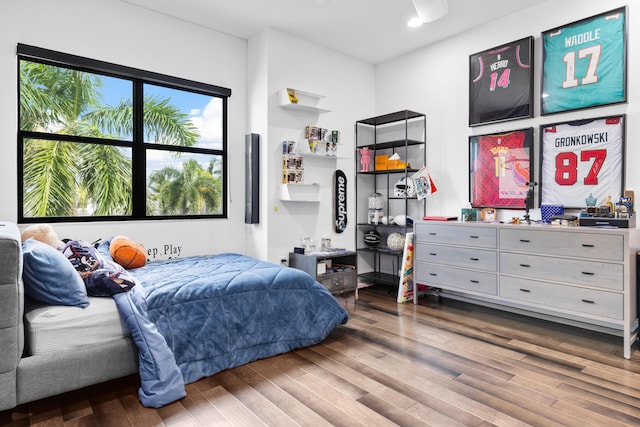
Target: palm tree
{"points": [[192, 190], [59, 176]]}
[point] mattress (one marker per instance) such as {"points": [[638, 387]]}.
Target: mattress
{"points": [[51, 328]]}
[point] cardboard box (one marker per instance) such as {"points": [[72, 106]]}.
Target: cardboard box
{"points": [[382, 162]]}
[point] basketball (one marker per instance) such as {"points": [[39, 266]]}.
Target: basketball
{"points": [[127, 253], [372, 238], [395, 241]]}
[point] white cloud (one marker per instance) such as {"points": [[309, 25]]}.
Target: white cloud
{"points": [[209, 124]]}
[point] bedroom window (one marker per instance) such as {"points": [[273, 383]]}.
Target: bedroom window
{"points": [[99, 141]]}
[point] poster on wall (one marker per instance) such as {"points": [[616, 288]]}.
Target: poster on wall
{"points": [[584, 63], [500, 166], [500, 83], [582, 158]]}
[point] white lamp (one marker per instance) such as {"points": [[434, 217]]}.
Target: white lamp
{"points": [[430, 10]]}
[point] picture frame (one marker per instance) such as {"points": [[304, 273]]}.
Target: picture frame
{"points": [[488, 214], [500, 166], [582, 159], [501, 83], [584, 63]]}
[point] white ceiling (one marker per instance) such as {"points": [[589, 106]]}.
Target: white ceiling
{"points": [[372, 30]]}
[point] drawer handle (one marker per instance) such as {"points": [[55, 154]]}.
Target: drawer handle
{"points": [[586, 245], [433, 274], [433, 234], [588, 273], [525, 290], [588, 301], [525, 240], [474, 259], [525, 265], [475, 237], [433, 253], [474, 281]]}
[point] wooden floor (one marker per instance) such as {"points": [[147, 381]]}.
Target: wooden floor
{"points": [[441, 365]]}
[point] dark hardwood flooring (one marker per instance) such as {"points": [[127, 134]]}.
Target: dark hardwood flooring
{"points": [[450, 364]]}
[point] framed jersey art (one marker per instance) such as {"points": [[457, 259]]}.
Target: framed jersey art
{"points": [[584, 63], [500, 167], [582, 158], [500, 83]]}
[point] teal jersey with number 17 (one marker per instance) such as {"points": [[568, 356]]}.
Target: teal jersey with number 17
{"points": [[584, 64]]}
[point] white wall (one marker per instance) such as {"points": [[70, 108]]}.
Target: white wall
{"points": [[347, 85], [117, 32], [434, 80]]}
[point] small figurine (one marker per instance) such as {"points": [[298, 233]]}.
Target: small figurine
{"points": [[591, 201], [365, 159]]}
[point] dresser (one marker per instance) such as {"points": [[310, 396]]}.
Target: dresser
{"points": [[583, 276]]}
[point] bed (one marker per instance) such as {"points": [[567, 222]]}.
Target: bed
{"points": [[189, 317], [218, 312]]}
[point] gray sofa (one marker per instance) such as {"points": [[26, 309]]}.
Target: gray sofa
{"points": [[25, 377]]}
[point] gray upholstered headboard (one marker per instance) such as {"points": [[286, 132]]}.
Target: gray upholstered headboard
{"points": [[11, 311]]}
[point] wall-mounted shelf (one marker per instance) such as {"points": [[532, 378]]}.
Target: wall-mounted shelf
{"points": [[300, 193], [307, 101]]}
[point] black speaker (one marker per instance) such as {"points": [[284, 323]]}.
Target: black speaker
{"points": [[252, 179]]}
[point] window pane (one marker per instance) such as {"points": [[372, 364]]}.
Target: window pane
{"points": [[183, 183], [70, 102], [75, 179], [178, 117]]}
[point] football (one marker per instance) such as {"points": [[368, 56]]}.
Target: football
{"points": [[372, 238]]}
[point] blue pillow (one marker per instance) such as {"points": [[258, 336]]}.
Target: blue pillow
{"points": [[49, 277]]}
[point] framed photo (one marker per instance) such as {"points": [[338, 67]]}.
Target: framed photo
{"points": [[488, 214], [580, 159], [500, 83], [584, 63], [500, 166]]}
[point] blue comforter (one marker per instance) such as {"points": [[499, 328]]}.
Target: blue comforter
{"points": [[219, 312]]}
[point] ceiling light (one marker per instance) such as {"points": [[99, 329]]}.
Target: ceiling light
{"points": [[430, 10], [414, 22]]}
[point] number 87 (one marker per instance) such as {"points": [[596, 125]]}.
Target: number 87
{"points": [[567, 166]]}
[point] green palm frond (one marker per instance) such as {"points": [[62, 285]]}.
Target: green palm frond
{"points": [[49, 178]]}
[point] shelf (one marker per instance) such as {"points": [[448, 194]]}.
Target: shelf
{"points": [[392, 144], [391, 117], [402, 227], [300, 193], [384, 171], [378, 278], [307, 102], [381, 250], [402, 133], [320, 156]]}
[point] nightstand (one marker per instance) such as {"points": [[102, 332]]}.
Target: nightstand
{"points": [[335, 270]]}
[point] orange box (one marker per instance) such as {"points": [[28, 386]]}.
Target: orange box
{"points": [[393, 164], [382, 162]]}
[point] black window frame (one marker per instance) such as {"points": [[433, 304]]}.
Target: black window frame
{"points": [[139, 146]]}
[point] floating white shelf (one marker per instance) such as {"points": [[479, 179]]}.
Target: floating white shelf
{"points": [[302, 149], [307, 102], [300, 192]]}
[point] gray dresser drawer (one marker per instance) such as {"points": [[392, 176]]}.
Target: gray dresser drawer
{"points": [[580, 300], [480, 237], [588, 273], [480, 259], [569, 244], [455, 278]]}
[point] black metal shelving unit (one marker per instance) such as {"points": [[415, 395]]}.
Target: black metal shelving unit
{"points": [[402, 132]]}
